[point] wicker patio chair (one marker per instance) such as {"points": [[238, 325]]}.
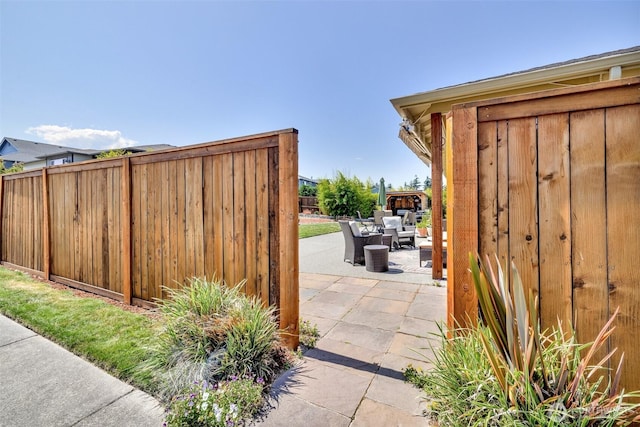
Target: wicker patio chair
{"points": [[399, 234], [354, 245]]}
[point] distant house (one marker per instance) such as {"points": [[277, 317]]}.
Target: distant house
{"points": [[306, 181], [34, 155]]}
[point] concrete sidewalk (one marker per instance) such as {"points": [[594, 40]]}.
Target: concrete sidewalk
{"points": [[42, 384]]}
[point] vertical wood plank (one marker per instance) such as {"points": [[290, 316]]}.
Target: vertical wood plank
{"points": [[450, 190], [555, 230], [461, 295], [207, 205], [125, 214], [218, 217], [488, 189], [523, 209], [173, 225], [588, 227], [181, 222], [262, 220], [503, 194], [288, 219], [436, 208], [250, 223], [155, 288], [197, 215], [623, 236], [165, 196], [239, 219], [274, 229], [46, 248], [227, 215]]}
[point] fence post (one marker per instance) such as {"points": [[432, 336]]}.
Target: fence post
{"points": [[46, 249], [125, 212], [288, 236]]}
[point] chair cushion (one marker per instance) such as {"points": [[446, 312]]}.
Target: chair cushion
{"points": [[392, 222], [354, 229], [404, 234]]}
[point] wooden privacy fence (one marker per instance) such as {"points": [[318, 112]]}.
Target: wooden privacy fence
{"points": [[551, 180], [127, 227]]}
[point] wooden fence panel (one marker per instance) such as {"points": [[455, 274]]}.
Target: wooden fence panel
{"points": [[21, 221], [565, 190], [129, 227]]}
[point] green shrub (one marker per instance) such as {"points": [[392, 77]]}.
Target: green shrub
{"points": [[344, 196], [506, 371], [213, 333]]}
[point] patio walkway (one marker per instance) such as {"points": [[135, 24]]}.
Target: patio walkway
{"points": [[372, 325]]}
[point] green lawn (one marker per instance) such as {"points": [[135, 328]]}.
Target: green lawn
{"points": [[108, 336], [310, 230]]}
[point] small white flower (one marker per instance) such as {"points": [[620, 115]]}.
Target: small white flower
{"points": [[204, 406], [205, 395], [233, 408], [217, 412]]}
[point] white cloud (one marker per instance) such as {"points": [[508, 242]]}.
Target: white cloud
{"points": [[81, 138]]}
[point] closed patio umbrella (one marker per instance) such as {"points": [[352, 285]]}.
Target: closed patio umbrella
{"points": [[382, 195]]}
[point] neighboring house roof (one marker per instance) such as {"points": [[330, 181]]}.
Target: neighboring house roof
{"points": [[23, 151], [302, 178], [416, 110]]}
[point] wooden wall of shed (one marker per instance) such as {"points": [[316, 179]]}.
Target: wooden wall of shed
{"points": [[557, 180], [127, 228]]}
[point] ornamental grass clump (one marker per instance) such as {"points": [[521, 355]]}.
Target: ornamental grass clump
{"points": [[506, 371], [213, 333]]}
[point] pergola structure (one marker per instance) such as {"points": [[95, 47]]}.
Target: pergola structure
{"points": [[426, 125]]}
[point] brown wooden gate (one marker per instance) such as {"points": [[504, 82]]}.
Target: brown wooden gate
{"points": [[551, 180]]}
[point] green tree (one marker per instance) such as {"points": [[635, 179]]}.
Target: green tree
{"points": [[427, 183], [344, 196], [118, 152], [307, 190], [16, 167], [415, 183]]}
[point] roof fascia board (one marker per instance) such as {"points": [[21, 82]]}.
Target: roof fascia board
{"points": [[545, 75]]}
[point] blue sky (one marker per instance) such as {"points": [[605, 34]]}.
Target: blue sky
{"points": [[97, 74]]}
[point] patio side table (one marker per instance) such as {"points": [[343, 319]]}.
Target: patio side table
{"points": [[376, 258]]}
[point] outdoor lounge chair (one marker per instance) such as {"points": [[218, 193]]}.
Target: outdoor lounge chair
{"points": [[377, 218], [355, 241], [399, 234]]}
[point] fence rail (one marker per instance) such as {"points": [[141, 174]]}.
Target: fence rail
{"points": [[128, 228]]}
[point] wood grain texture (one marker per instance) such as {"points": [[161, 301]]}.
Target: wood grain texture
{"points": [[462, 305], [488, 189], [288, 237], [623, 235], [554, 190], [589, 223], [523, 218], [436, 176]]}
